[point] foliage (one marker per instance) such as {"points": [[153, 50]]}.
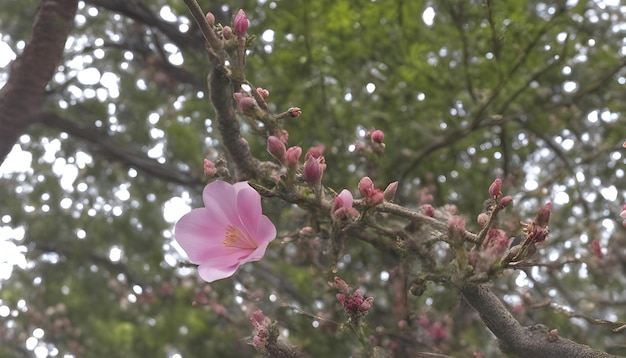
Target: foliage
{"points": [[527, 91]]}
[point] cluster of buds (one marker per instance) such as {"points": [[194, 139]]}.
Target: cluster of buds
{"points": [[355, 304], [373, 144], [266, 331], [239, 26], [493, 250], [535, 232], [495, 192], [214, 170]]}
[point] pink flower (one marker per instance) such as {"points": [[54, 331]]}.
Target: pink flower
{"points": [[229, 231]]}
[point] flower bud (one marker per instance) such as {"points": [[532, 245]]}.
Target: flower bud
{"points": [[210, 18], [494, 189], [246, 105], [276, 148], [263, 92], [506, 201], [543, 216], [366, 185], [595, 248], [427, 210], [209, 169], [482, 219], [378, 136], [227, 32], [390, 191], [312, 170], [241, 24], [342, 206], [292, 156], [294, 112], [623, 213], [341, 286]]}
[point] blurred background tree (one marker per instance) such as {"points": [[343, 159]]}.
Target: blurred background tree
{"points": [[109, 156]]}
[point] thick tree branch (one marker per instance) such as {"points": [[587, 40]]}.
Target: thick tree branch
{"points": [[221, 94], [23, 94], [103, 144], [534, 341]]}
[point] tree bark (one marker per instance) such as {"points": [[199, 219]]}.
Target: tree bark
{"points": [[533, 342], [22, 96]]}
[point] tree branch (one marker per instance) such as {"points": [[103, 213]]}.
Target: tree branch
{"points": [[23, 94], [103, 144], [534, 341]]}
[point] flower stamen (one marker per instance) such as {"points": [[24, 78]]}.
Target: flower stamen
{"points": [[233, 237]]}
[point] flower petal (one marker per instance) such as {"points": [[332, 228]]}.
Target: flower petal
{"points": [[249, 208], [221, 198], [198, 235], [210, 274]]}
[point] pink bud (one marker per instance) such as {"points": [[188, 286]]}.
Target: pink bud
{"points": [[210, 18], [276, 148], [241, 24], [294, 112], [367, 304], [482, 219], [209, 169], [246, 105], [378, 136], [342, 206], [427, 210], [292, 156], [341, 286], [366, 185], [390, 191], [263, 92], [543, 216], [494, 189], [227, 32], [312, 170], [623, 213], [506, 201], [595, 248]]}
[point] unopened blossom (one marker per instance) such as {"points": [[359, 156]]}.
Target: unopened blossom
{"points": [[312, 170], [506, 201], [378, 136], [371, 194], [240, 24], [210, 18], [427, 210], [210, 171], [342, 206], [390, 191], [623, 213], [294, 112], [245, 103], [494, 189], [264, 93], [292, 156], [595, 248], [543, 215], [229, 231], [227, 32], [276, 148]]}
